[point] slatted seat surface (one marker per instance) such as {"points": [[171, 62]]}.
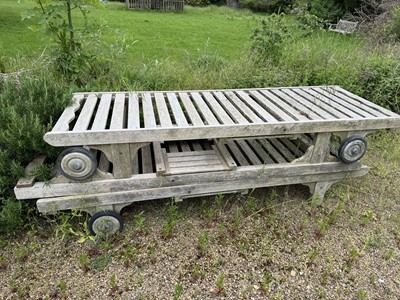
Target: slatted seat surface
{"points": [[131, 117]]}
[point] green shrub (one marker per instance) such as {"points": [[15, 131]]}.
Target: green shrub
{"points": [[392, 28], [269, 40], [309, 21], [271, 6], [380, 81], [328, 10], [10, 217]]}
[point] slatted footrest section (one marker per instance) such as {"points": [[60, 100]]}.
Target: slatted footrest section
{"points": [[194, 161]]}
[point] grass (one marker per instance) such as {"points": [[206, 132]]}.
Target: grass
{"points": [[156, 35]]}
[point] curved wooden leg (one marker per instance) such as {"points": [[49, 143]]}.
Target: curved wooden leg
{"points": [[318, 190]]}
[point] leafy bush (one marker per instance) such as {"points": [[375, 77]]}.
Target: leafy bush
{"points": [[381, 81], [29, 105], [328, 10], [309, 21], [392, 28], [271, 6], [269, 40]]}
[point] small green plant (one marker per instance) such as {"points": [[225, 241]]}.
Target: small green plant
{"points": [[101, 262], [170, 224], [237, 218], [113, 284], [178, 291], [388, 254], [139, 221], [22, 253], [362, 295], [271, 37], [84, 262], [312, 256], [196, 271], [220, 284], [266, 282], [202, 242]]}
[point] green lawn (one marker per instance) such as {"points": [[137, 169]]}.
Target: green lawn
{"points": [[156, 34]]}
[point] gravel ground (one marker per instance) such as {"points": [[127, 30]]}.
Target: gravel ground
{"points": [[269, 244]]}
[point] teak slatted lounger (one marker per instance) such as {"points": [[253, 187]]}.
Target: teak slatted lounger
{"points": [[134, 146]]}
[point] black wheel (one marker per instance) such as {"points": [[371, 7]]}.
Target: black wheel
{"points": [[106, 223], [77, 163], [352, 149]]}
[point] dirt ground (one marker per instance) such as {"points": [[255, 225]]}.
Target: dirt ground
{"points": [[269, 244]]}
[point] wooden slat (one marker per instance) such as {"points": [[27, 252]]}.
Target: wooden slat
{"points": [[217, 109], [180, 155], [237, 154], [352, 105], [179, 116], [256, 107], [133, 111], [185, 146], [68, 114], [147, 165], [272, 151], [330, 101], [82, 123], [266, 159], [29, 180], [282, 149], [197, 169], [295, 149], [249, 153], [196, 145], [224, 156], [230, 108], [211, 161], [372, 107], [159, 159], [148, 111], [274, 109], [203, 109], [284, 106], [303, 108], [173, 147], [162, 109], [329, 110], [191, 110], [118, 114], [245, 110], [101, 118]]}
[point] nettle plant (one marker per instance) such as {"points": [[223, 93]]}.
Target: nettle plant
{"points": [[58, 18]]}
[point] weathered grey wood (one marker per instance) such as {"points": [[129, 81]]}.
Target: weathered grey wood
{"points": [[203, 108], [162, 109], [230, 108], [196, 146], [295, 149], [237, 153], [321, 147], [118, 114], [256, 107], [244, 109], [133, 111], [185, 146], [176, 156], [266, 159], [29, 180], [262, 180], [271, 106], [100, 120], [222, 131], [318, 189], [249, 153], [358, 108], [331, 103], [288, 108], [173, 147], [225, 156], [159, 159], [147, 165], [103, 163], [374, 108], [217, 109], [272, 151], [310, 108], [143, 181], [282, 149], [323, 109], [148, 111], [179, 116], [68, 114], [121, 159], [191, 110], [82, 123]]}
